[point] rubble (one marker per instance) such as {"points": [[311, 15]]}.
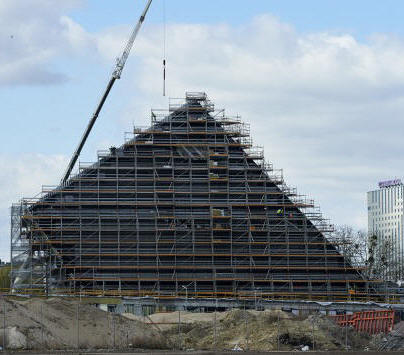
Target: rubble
{"points": [[257, 330], [390, 342]]}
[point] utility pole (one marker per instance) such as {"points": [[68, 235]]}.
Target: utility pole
{"points": [[246, 326], [255, 299], [214, 329], [346, 332], [4, 323], [277, 333], [312, 334], [186, 297], [113, 329], [78, 325], [179, 329], [42, 338]]}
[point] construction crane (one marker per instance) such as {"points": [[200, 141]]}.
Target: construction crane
{"points": [[116, 74]]}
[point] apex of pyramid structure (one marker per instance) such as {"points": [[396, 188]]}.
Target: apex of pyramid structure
{"points": [[194, 101]]}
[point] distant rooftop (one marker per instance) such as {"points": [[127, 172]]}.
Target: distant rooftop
{"points": [[390, 183]]}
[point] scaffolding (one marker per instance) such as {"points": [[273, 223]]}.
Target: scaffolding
{"points": [[187, 204]]}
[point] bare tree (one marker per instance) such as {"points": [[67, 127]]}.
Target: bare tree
{"points": [[382, 262], [351, 243], [373, 254]]}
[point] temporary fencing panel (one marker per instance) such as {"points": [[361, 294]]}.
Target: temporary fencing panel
{"points": [[371, 322]]}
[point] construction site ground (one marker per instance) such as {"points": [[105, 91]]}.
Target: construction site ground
{"points": [[59, 324], [204, 353]]}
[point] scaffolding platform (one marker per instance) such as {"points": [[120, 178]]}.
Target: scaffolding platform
{"points": [[188, 202]]}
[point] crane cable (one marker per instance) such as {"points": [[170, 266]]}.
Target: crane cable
{"points": [[164, 47]]}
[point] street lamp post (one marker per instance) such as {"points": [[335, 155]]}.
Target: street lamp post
{"points": [[186, 297], [4, 323], [255, 299], [215, 336]]}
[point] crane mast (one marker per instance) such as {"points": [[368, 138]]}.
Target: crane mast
{"points": [[116, 74]]}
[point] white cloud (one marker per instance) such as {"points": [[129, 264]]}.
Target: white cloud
{"points": [[38, 33], [327, 107], [22, 175], [33, 33]]}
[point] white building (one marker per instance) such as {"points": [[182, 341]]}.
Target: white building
{"points": [[385, 220]]}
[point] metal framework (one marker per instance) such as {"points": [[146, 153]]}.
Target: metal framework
{"points": [[187, 205]]}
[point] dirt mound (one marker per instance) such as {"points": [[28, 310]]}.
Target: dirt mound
{"points": [[59, 323], [263, 331], [392, 341], [63, 324]]}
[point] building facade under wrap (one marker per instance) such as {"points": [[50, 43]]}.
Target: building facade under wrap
{"points": [[185, 205]]}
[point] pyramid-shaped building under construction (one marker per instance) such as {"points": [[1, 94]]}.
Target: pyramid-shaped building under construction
{"points": [[186, 204]]}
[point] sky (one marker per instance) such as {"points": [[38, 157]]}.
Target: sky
{"points": [[320, 82]]}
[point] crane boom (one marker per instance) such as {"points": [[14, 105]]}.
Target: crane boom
{"points": [[116, 74]]}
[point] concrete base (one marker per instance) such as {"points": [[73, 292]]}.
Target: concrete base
{"points": [[149, 305]]}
